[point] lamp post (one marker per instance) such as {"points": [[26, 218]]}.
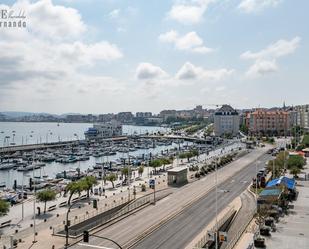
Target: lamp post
{"points": [[129, 176], [34, 200], [217, 202], [22, 196], [67, 225]]}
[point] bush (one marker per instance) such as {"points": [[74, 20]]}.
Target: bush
{"points": [[296, 161], [143, 187]]}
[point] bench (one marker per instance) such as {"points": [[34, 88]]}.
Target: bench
{"points": [[5, 224], [63, 204], [51, 208], [74, 199], [83, 197]]}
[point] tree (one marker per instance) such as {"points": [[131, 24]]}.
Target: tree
{"points": [[89, 181], [295, 171], [155, 164], [112, 177], [243, 128], [4, 207], [74, 187], [140, 170], [125, 172], [45, 196], [296, 161]]}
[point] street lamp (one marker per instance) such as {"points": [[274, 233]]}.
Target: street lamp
{"points": [[67, 225], [217, 202], [34, 200]]}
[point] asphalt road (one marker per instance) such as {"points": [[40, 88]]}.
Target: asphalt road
{"points": [[178, 232], [235, 177]]}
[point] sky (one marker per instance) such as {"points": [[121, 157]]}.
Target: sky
{"points": [[103, 56]]}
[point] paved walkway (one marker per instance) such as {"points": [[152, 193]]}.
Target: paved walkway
{"points": [[293, 229]]}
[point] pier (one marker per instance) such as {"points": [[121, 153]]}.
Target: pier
{"points": [[30, 147]]}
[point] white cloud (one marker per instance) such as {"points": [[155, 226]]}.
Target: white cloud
{"points": [[190, 72], [190, 11], [250, 6], [146, 71], [220, 88], [114, 13], [275, 50], [189, 42], [262, 67], [53, 53], [51, 21], [265, 61]]}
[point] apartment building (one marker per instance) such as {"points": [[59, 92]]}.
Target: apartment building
{"points": [[226, 121], [263, 122]]}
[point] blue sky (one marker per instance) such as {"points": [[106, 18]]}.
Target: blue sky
{"points": [[99, 56]]}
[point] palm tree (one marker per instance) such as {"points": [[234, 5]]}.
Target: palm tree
{"points": [[45, 196], [89, 181], [112, 177], [74, 187], [4, 207]]}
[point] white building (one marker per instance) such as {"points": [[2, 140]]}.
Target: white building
{"points": [[104, 130], [226, 121]]}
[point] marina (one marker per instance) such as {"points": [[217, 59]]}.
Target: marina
{"points": [[21, 166]]}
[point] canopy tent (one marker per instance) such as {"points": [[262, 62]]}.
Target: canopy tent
{"points": [[287, 182]]}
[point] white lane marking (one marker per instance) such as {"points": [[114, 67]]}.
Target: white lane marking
{"points": [[94, 246]]}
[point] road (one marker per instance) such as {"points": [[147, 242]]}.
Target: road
{"points": [[182, 228]]}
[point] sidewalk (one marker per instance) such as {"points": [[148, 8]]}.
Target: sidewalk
{"points": [[293, 229]]}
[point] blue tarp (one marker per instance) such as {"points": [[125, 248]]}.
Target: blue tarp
{"points": [[288, 182]]}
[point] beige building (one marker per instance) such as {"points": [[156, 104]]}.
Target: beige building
{"points": [[272, 123]]}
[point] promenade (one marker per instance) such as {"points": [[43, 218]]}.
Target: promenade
{"points": [[56, 217]]}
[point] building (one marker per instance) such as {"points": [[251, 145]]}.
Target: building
{"points": [[143, 114], [302, 116], [124, 117], [177, 176], [71, 118], [106, 117], [104, 130], [269, 123], [226, 121], [165, 114]]}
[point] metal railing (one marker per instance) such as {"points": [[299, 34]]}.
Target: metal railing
{"points": [[104, 218], [237, 236], [76, 219], [202, 242]]}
